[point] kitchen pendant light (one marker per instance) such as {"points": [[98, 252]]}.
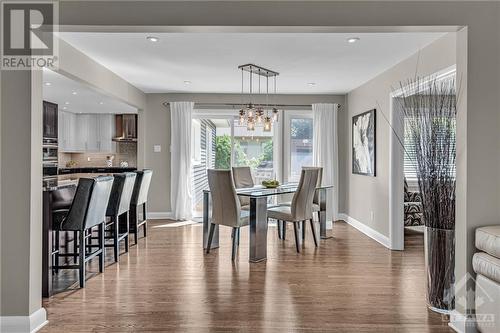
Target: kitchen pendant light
{"points": [[256, 113]]}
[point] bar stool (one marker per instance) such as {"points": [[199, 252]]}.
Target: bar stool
{"points": [[87, 211], [139, 198], [118, 207]]}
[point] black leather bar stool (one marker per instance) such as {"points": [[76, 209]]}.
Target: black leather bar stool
{"points": [[118, 208], [61, 201], [88, 210], [139, 198]]}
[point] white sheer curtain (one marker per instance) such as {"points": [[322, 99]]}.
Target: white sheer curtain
{"points": [[325, 151], [180, 165]]}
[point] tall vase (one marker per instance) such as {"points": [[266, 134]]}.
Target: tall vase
{"points": [[440, 268]]}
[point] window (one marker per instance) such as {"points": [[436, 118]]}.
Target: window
{"points": [[300, 144], [254, 149], [195, 142], [410, 162]]}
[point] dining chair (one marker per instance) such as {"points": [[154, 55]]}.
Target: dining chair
{"points": [[242, 179], [87, 211], [315, 207], [118, 208], [139, 198], [226, 207], [300, 209]]}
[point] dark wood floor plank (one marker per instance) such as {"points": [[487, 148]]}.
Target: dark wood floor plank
{"points": [[167, 284]]}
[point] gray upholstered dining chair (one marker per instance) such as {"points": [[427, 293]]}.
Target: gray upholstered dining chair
{"points": [[226, 208], [300, 209], [139, 198], [315, 207], [87, 211], [118, 207], [242, 179]]}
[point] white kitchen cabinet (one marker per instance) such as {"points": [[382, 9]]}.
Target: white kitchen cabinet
{"points": [[86, 132], [91, 122], [106, 133], [67, 130]]}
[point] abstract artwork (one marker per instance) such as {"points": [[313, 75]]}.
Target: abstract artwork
{"points": [[363, 143]]}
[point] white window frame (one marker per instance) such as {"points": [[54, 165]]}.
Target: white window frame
{"points": [[287, 122], [195, 158]]}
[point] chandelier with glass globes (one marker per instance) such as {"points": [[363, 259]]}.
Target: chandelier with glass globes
{"points": [[254, 114]]}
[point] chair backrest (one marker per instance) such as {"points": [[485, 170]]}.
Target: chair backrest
{"points": [[243, 178], [302, 201], [226, 207], [318, 184], [121, 193], [141, 187], [89, 205]]}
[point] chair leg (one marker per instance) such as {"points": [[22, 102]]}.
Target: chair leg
{"points": [[313, 230], [236, 232], [81, 258], [75, 246], [303, 230], [210, 236], [144, 217], [101, 246], [133, 222], [297, 237], [283, 230], [56, 255], [126, 237], [115, 237]]}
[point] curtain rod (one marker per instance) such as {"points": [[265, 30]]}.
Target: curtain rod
{"points": [[238, 105]]}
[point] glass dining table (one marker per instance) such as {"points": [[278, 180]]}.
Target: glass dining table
{"points": [[258, 216]]}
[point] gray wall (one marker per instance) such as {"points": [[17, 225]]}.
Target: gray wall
{"points": [[373, 192], [21, 196], [157, 131]]}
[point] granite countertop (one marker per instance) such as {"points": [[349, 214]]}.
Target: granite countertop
{"points": [[98, 167], [63, 181]]}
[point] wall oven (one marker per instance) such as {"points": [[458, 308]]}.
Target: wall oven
{"points": [[50, 152]]}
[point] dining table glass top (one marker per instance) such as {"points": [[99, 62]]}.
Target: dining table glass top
{"points": [[259, 191]]}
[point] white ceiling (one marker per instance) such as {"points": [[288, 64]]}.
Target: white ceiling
{"points": [[210, 60], [86, 100]]}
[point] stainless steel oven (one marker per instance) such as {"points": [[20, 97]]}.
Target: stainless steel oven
{"points": [[50, 153], [50, 169]]}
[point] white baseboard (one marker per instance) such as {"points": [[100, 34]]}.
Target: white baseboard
{"points": [[375, 235], [24, 324], [159, 215], [461, 323]]}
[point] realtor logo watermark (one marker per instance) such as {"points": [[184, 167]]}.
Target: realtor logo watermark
{"points": [[465, 287], [28, 30]]}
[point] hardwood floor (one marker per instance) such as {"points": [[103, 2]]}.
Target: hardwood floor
{"points": [[167, 284]]}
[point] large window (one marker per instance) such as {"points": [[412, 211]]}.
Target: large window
{"points": [[254, 149], [298, 143]]}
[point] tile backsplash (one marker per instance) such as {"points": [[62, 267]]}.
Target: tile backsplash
{"points": [[125, 151]]}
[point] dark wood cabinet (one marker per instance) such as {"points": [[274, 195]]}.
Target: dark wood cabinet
{"points": [[49, 120]]}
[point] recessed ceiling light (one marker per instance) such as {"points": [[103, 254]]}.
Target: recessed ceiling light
{"points": [[312, 84], [187, 82], [65, 108], [352, 40], [48, 83], [67, 103], [101, 103], [153, 39], [74, 93]]}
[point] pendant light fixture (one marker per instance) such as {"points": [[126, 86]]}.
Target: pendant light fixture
{"points": [[252, 114]]}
